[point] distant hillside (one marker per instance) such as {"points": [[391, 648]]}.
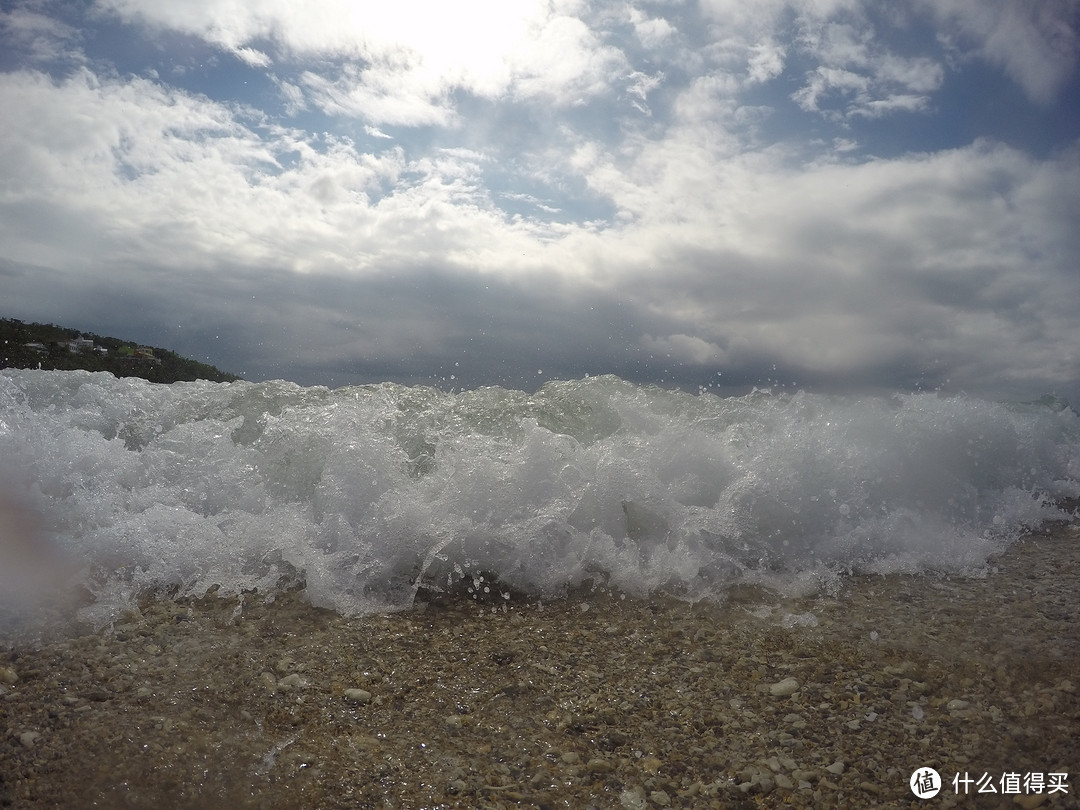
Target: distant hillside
{"points": [[49, 347]]}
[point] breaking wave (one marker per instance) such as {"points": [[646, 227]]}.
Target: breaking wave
{"points": [[363, 495]]}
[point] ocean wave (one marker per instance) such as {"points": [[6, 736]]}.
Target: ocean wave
{"points": [[364, 495]]}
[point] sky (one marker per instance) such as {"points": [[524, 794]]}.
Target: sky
{"points": [[827, 195]]}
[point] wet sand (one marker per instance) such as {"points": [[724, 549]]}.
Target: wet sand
{"points": [[591, 701]]}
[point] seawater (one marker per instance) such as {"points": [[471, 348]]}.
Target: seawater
{"points": [[363, 495]]}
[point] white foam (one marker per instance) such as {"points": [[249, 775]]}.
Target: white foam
{"points": [[360, 491]]}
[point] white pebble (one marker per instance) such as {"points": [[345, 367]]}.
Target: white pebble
{"points": [[358, 696], [837, 767], [28, 738], [7, 675]]}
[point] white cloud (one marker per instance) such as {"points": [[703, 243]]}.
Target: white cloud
{"points": [[251, 56], [825, 82], [39, 37], [702, 241], [1036, 42], [766, 61], [859, 76], [130, 168], [380, 95], [685, 349], [640, 85], [652, 32], [292, 96], [565, 63], [405, 58]]}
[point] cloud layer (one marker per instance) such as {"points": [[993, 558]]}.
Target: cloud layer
{"points": [[697, 194]]}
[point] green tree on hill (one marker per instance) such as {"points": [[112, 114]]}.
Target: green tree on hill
{"points": [[48, 347]]}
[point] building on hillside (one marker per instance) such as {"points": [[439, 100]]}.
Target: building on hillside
{"points": [[80, 344], [146, 354]]}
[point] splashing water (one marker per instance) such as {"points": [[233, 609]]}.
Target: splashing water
{"points": [[365, 493]]}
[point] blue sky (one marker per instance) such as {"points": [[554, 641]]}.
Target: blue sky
{"points": [[826, 194]]}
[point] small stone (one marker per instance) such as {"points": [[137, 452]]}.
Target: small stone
{"points": [[660, 798], [784, 781], [837, 767], [29, 738], [651, 764], [291, 682], [455, 721], [8, 675], [268, 682], [956, 705], [358, 696], [632, 800], [1031, 800], [788, 686], [598, 765], [570, 758]]}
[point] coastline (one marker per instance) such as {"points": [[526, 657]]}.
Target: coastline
{"points": [[589, 701]]}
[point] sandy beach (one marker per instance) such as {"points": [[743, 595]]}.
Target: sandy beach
{"points": [[591, 701]]}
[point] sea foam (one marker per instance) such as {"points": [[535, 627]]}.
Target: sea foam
{"points": [[365, 494]]}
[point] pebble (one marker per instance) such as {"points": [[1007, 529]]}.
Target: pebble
{"points": [[290, 682], [788, 686], [268, 682], [651, 764], [1030, 801], [8, 675], [598, 765], [616, 741]]}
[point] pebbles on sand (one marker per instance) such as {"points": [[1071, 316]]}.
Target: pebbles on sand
{"points": [[626, 704]]}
